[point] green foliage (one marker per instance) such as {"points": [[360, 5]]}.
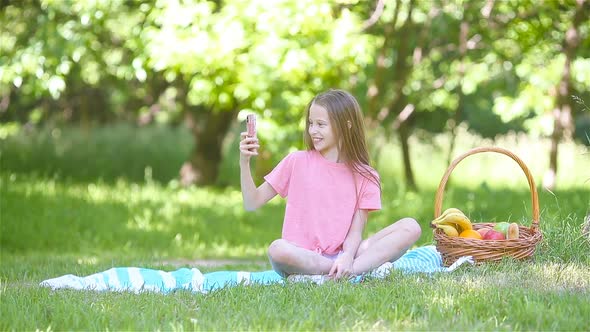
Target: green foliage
{"points": [[272, 59], [506, 73], [66, 57], [239, 55], [537, 45]]}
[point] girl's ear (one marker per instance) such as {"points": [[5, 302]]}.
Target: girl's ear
{"points": [[349, 124]]}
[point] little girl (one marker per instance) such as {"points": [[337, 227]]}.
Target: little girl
{"points": [[330, 189]]}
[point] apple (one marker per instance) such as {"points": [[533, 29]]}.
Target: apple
{"points": [[502, 227], [493, 234], [483, 231]]}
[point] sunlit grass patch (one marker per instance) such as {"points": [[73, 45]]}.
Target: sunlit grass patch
{"points": [[161, 220], [166, 221], [536, 276], [504, 296]]}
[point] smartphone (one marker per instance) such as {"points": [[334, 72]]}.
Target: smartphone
{"points": [[251, 125]]}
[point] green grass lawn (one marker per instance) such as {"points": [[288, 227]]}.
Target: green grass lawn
{"points": [[55, 225]]}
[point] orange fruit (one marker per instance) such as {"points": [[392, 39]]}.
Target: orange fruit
{"points": [[470, 234]]}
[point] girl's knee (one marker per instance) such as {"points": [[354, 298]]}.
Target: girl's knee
{"points": [[411, 227], [277, 251]]}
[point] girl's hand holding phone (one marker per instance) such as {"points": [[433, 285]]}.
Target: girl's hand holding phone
{"points": [[251, 125], [249, 142]]}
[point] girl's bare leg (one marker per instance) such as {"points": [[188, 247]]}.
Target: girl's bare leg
{"points": [[286, 258], [387, 245]]}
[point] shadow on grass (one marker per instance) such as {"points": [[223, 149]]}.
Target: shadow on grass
{"points": [[213, 224]]}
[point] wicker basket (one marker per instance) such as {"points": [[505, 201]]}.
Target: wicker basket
{"points": [[452, 248]]}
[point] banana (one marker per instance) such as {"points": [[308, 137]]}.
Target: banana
{"points": [[445, 213], [449, 230], [457, 220]]}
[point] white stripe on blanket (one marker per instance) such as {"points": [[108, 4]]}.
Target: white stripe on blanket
{"points": [[424, 260]]}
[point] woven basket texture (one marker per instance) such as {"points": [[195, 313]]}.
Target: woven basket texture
{"points": [[451, 248]]}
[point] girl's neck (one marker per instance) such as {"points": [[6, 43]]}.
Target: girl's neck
{"points": [[332, 155]]}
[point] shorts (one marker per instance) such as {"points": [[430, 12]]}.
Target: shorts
{"points": [[333, 256]]}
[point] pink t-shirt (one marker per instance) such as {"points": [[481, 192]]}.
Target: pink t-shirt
{"points": [[321, 199]]}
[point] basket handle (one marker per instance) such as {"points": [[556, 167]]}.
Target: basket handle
{"points": [[532, 187]]}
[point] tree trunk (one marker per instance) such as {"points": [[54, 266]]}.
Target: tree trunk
{"points": [[404, 135], [396, 113], [379, 84], [208, 129], [562, 113], [456, 119], [402, 72]]}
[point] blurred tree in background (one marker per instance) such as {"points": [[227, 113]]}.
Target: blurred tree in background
{"points": [[497, 66]]}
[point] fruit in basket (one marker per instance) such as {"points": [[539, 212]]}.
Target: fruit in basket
{"points": [[457, 220], [482, 231], [513, 231], [445, 213], [449, 230], [452, 221], [493, 234], [502, 227], [470, 234]]}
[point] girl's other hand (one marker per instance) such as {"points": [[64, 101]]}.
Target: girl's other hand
{"points": [[248, 147], [342, 267]]}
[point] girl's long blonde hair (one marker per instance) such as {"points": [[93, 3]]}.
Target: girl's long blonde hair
{"points": [[346, 119]]}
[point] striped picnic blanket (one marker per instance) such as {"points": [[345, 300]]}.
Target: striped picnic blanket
{"points": [[423, 259]]}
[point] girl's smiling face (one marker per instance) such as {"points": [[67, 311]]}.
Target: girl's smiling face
{"points": [[321, 132]]}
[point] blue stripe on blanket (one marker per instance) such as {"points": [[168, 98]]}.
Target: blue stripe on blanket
{"points": [[424, 259]]}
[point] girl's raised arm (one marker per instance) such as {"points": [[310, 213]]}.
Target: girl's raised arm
{"points": [[253, 197]]}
